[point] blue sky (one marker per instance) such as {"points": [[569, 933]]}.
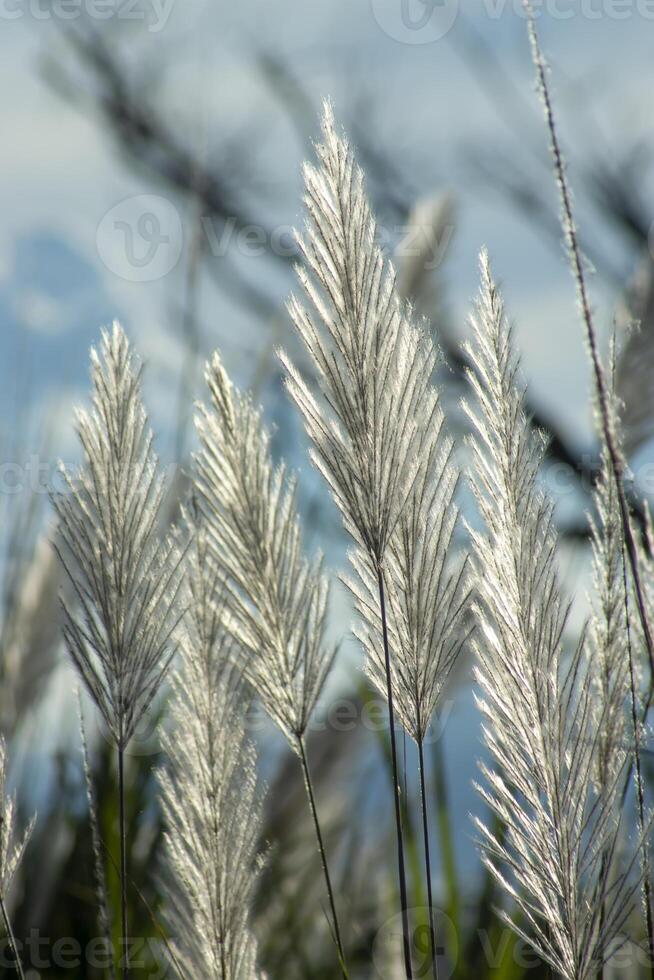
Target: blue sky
{"points": [[61, 176]]}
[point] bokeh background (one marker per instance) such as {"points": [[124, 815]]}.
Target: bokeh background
{"points": [[151, 173]]}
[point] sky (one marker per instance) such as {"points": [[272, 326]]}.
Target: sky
{"points": [[61, 175], [64, 188]]}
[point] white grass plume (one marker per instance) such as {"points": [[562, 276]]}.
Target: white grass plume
{"points": [[211, 806], [125, 576], [371, 428], [373, 364], [605, 415], [378, 436], [278, 598], [28, 640], [427, 600], [608, 633], [556, 858], [12, 848]]}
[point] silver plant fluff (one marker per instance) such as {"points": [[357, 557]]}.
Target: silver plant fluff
{"points": [[608, 630], [210, 801], [557, 858], [372, 432], [373, 364], [378, 436], [125, 575], [427, 602], [12, 849], [278, 599]]}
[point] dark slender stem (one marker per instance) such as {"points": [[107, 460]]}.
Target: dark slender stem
{"points": [[647, 885], [124, 964], [610, 439], [600, 973], [12, 939], [425, 831], [396, 783], [570, 232], [323, 854]]}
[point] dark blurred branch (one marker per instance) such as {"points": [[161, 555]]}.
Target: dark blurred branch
{"points": [[611, 186], [519, 188], [290, 93], [145, 136]]}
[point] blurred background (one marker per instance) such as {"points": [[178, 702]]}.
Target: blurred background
{"points": [[151, 173]]}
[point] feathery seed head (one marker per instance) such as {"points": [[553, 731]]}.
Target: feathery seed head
{"points": [[372, 363], [11, 850], [277, 599], [378, 435], [126, 575], [211, 805], [556, 858]]}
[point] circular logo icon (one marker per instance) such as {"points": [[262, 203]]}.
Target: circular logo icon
{"points": [[415, 21], [146, 740], [141, 238], [388, 948]]}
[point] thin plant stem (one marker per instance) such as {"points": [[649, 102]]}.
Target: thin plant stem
{"points": [[425, 831], [396, 784], [12, 938], [570, 231], [323, 854], [100, 878], [124, 964], [600, 973], [640, 793], [149, 910]]}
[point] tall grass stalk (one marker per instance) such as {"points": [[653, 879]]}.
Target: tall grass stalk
{"points": [[377, 438], [640, 784], [12, 939], [276, 598], [308, 783], [404, 905], [96, 840], [11, 853], [605, 414], [608, 626], [125, 574], [559, 851], [123, 864], [427, 850], [210, 799], [601, 393]]}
